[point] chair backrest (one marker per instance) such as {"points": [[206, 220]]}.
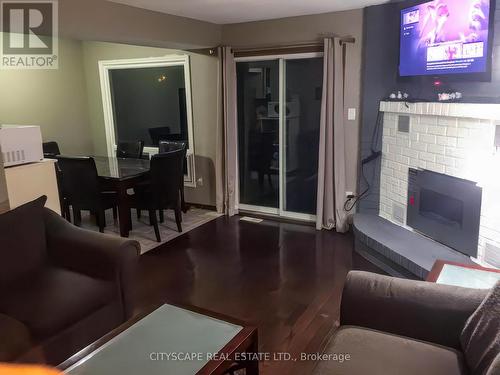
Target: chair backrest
{"points": [[80, 181], [131, 150], [51, 149], [158, 134], [166, 173], [169, 146]]}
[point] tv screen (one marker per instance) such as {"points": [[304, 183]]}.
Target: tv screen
{"points": [[444, 37]]}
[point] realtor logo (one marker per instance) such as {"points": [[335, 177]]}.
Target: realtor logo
{"points": [[29, 34]]}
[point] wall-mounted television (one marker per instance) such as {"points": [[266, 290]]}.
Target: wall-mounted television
{"points": [[447, 38]]}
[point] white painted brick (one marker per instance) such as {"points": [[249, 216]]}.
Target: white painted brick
{"points": [[455, 153], [419, 128], [390, 140], [446, 161], [469, 123], [452, 171], [437, 130], [427, 138], [457, 132], [395, 149], [436, 167], [404, 142], [449, 122], [414, 136], [436, 149], [429, 120], [410, 153], [446, 141], [405, 160], [414, 162], [419, 146], [425, 156]]}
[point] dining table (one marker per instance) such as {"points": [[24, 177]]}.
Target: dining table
{"points": [[120, 175]]}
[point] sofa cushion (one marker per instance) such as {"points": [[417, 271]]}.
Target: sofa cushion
{"points": [[15, 338], [54, 299], [377, 353], [22, 240], [480, 337]]}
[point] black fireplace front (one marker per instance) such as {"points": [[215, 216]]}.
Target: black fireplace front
{"points": [[445, 208]]}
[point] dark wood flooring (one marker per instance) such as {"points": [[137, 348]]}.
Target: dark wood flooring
{"points": [[287, 279]]}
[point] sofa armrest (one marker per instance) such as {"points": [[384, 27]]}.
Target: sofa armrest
{"points": [[93, 254], [417, 309]]}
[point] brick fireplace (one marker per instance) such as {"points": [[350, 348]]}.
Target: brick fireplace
{"points": [[453, 139]]}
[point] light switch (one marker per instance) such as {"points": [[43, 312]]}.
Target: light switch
{"points": [[351, 114]]}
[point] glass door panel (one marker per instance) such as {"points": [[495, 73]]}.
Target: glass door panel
{"points": [[258, 133], [301, 124]]}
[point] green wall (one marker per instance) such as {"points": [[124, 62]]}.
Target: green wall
{"points": [[56, 100]]}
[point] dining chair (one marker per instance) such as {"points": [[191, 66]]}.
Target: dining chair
{"points": [[81, 183], [162, 192], [168, 146], [130, 150], [51, 149]]}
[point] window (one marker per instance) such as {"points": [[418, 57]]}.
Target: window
{"points": [[149, 100]]}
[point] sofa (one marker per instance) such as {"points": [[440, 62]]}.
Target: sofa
{"points": [[391, 326], [61, 287]]}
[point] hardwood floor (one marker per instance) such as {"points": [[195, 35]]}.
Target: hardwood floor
{"points": [[287, 279]]}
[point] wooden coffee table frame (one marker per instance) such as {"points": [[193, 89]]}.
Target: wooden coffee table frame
{"points": [[246, 341], [439, 265]]}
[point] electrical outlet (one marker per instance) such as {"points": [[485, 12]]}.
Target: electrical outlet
{"points": [[199, 181], [351, 114]]}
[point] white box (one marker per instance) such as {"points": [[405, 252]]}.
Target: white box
{"points": [[20, 144]]}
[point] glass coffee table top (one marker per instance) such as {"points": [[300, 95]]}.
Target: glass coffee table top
{"points": [[467, 277], [147, 346]]}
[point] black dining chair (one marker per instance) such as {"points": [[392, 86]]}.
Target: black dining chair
{"points": [[162, 192], [130, 150], [50, 149], [81, 183], [168, 146]]}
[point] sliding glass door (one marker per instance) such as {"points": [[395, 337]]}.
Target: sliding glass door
{"points": [[279, 107]]}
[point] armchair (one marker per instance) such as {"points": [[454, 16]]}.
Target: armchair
{"points": [[64, 287], [394, 326]]}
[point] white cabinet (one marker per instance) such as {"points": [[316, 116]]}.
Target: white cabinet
{"points": [[29, 181]]}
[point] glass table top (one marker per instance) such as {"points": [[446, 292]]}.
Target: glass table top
{"points": [[120, 168], [143, 348], [467, 277]]}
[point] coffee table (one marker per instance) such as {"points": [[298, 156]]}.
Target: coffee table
{"points": [[170, 340], [464, 275]]}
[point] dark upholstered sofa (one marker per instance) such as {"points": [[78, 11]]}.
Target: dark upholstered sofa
{"points": [[61, 287], [391, 326]]}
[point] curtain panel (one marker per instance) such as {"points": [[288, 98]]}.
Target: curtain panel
{"points": [[226, 169], [330, 213]]}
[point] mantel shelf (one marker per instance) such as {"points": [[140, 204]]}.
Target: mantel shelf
{"points": [[462, 110]]}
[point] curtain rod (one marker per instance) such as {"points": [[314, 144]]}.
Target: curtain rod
{"points": [[344, 40], [213, 51]]}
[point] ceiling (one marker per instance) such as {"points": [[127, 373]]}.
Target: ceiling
{"points": [[235, 11]]}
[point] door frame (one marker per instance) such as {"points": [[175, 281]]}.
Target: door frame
{"points": [[107, 103], [280, 211]]}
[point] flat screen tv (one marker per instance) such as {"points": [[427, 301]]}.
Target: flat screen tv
{"points": [[447, 38]]}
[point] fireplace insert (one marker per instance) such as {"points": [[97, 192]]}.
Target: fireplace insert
{"points": [[445, 208]]}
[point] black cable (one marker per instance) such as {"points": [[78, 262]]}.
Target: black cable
{"points": [[373, 156]]}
